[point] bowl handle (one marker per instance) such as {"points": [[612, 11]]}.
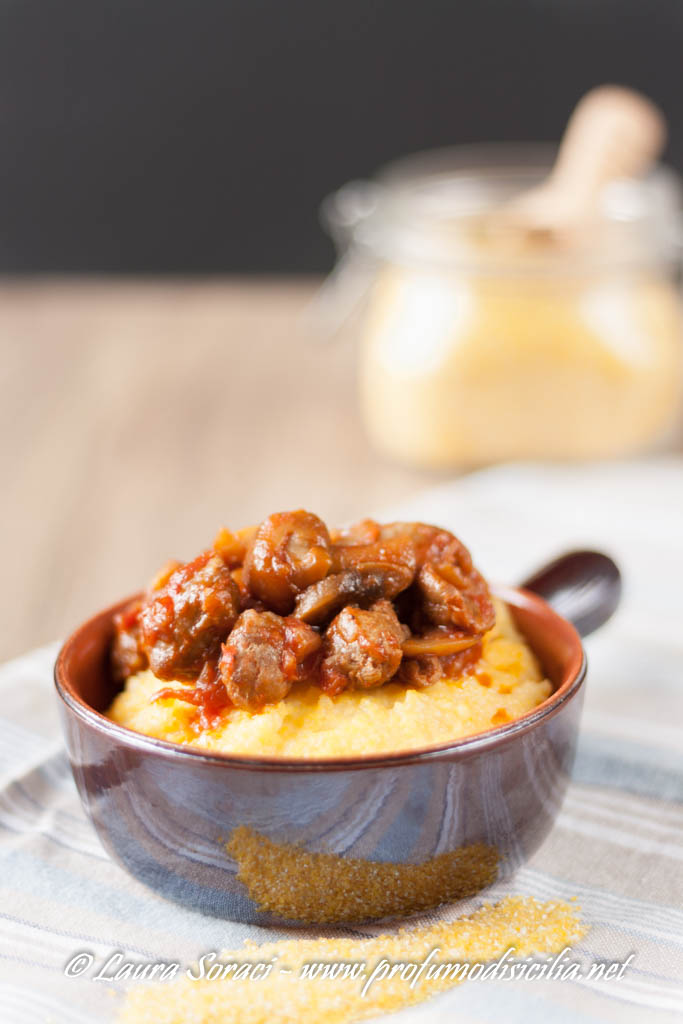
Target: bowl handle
{"points": [[582, 586]]}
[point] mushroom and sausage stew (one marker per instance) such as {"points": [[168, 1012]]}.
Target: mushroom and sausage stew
{"points": [[291, 605]]}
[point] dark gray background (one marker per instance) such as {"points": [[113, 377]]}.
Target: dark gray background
{"points": [[159, 135]]}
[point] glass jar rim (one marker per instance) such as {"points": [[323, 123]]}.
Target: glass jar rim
{"points": [[416, 211]]}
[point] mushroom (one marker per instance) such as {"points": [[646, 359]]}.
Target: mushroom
{"points": [[363, 585], [440, 642]]}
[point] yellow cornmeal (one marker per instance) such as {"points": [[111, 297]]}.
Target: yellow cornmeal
{"points": [[506, 683], [324, 887], [465, 370], [484, 936]]}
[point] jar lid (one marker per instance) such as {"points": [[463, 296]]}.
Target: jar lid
{"points": [[425, 209]]}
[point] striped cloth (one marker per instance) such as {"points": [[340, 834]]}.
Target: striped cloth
{"points": [[617, 846]]}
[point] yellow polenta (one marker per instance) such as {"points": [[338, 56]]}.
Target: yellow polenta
{"points": [[505, 683]]}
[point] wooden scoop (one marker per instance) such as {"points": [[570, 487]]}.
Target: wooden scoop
{"points": [[612, 133]]}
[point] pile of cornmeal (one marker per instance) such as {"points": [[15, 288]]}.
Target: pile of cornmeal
{"points": [[524, 925]]}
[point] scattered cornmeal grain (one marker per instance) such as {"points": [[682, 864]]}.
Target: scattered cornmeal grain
{"points": [[526, 925], [506, 683], [323, 887]]}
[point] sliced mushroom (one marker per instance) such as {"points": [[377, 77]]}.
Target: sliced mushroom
{"points": [[324, 599], [440, 642], [290, 552], [452, 598], [395, 551], [362, 586]]}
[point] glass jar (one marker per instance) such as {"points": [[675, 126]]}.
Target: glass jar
{"points": [[473, 351]]}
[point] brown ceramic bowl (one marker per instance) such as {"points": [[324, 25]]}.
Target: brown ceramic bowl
{"points": [[276, 841]]}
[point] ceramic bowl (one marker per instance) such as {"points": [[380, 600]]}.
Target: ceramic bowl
{"points": [[275, 841]]}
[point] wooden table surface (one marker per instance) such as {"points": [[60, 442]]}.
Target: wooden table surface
{"points": [[137, 417]]}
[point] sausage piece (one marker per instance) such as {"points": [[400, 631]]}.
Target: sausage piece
{"points": [[291, 550], [425, 670], [264, 656], [362, 648], [183, 624]]}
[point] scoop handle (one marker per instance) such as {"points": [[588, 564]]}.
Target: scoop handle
{"points": [[613, 133], [582, 586]]}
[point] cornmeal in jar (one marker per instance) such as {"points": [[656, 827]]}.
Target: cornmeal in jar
{"points": [[468, 369]]}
